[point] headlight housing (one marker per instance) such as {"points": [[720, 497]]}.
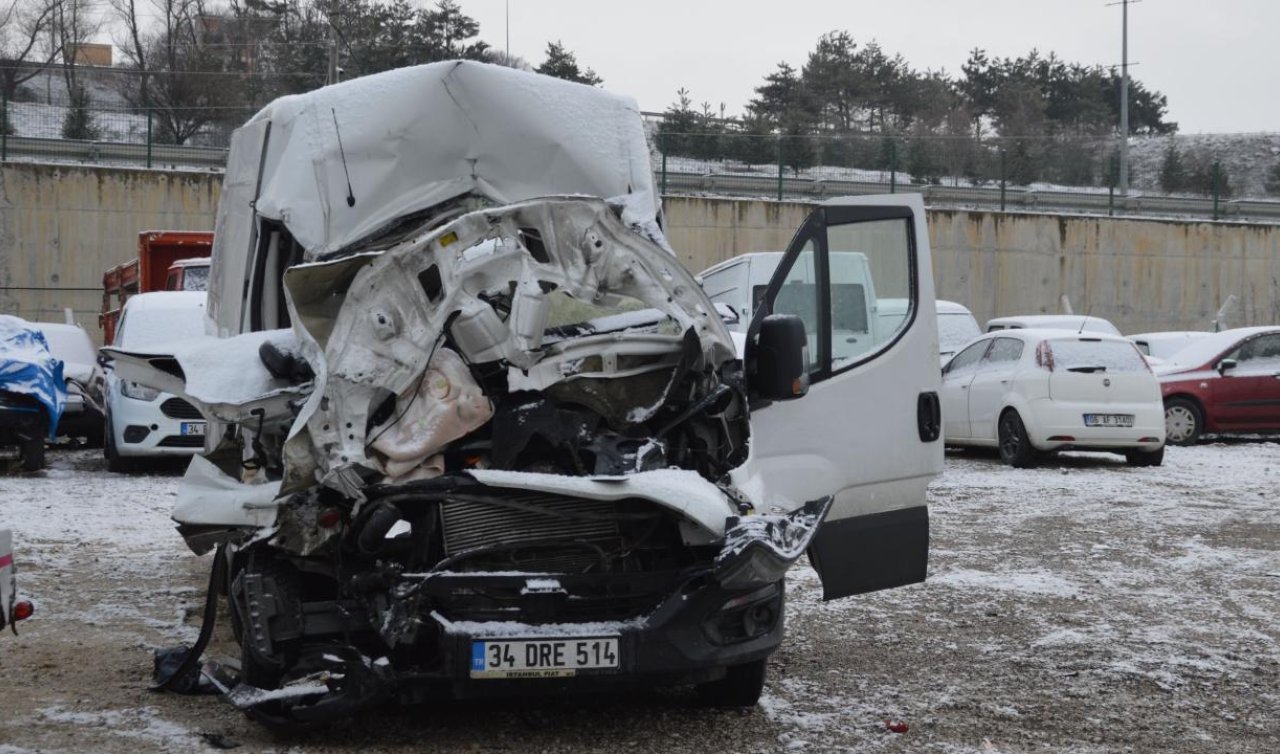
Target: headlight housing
{"points": [[138, 392]]}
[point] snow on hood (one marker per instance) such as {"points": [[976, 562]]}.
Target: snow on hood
{"points": [[27, 367], [405, 140]]}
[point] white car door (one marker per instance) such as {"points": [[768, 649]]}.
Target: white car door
{"points": [[990, 384], [956, 378], [868, 432]]}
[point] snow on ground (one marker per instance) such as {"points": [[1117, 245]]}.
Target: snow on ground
{"points": [[1079, 606]]}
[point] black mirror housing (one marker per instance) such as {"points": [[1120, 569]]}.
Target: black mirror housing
{"points": [[781, 359]]}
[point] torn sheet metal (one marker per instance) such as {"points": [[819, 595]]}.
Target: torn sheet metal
{"points": [[490, 278]]}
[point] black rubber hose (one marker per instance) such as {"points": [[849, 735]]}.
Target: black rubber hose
{"points": [[372, 537], [217, 575]]}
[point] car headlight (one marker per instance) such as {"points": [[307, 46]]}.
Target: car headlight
{"points": [[138, 392]]}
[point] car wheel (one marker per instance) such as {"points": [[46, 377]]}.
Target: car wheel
{"points": [[1145, 457], [33, 452], [740, 687], [115, 463], [1015, 447], [1183, 422]]}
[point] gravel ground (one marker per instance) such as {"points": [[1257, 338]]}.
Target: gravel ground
{"points": [[1081, 606]]}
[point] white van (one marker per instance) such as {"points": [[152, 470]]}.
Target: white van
{"points": [[519, 420]]}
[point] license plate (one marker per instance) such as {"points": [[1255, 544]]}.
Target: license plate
{"points": [[193, 428], [549, 658], [1108, 420]]}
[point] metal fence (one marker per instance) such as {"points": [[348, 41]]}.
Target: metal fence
{"points": [[1060, 174]]}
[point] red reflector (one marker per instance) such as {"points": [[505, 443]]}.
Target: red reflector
{"points": [[330, 518], [897, 726], [1149, 439], [1062, 438], [23, 610]]}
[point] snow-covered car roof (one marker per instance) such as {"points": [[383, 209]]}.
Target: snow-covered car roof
{"points": [[1200, 352], [160, 317], [951, 307], [1037, 334], [1057, 321], [344, 161], [73, 345]]}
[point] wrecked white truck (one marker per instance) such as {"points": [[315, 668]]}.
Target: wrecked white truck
{"points": [[475, 431]]}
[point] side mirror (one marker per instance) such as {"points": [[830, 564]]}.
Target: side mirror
{"points": [[781, 358], [1226, 364], [727, 313]]}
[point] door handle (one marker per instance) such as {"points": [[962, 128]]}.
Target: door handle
{"points": [[929, 416]]}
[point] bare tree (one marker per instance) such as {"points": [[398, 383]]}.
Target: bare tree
{"points": [[25, 47]]}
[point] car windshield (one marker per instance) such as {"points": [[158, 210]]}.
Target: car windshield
{"points": [[196, 278], [1074, 354], [1200, 351], [954, 330], [146, 328]]}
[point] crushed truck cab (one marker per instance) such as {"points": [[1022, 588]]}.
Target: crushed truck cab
{"points": [[479, 433]]}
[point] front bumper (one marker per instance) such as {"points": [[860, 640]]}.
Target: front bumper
{"points": [[145, 428], [693, 636]]}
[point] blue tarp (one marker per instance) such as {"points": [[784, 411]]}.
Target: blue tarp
{"points": [[27, 368]]}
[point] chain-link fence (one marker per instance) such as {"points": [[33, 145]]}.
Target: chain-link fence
{"points": [[1204, 177]]}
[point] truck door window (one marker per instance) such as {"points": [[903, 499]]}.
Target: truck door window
{"points": [[872, 288], [799, 296]]}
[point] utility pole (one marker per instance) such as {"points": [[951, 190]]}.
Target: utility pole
{"points": [[1124, 98], [333, 42], [508, 32]]}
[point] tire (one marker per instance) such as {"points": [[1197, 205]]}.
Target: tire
{"points": [[33, 454], [1015, 446], [740, 688], [1183, 422], [1145, 457], [115, 463]]}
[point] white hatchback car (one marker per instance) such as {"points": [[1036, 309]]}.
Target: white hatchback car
{"points": [[1027, 392], [142, 421]]}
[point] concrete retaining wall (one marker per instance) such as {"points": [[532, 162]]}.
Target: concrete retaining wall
{"points": [[62, 226]]}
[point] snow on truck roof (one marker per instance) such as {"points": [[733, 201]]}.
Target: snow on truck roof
{"points": [[412, 138]]}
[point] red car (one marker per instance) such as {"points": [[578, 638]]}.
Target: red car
{"points": [[1227, 383]]}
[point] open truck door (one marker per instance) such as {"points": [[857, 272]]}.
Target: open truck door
{"points": [[860, 421]]}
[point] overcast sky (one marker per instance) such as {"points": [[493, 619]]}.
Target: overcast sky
{"points": [[1214, 59]]}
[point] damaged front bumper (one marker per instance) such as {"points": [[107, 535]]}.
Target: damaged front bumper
{"points": [[442, 629]]}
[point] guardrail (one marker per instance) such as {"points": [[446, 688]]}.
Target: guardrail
{"points": [[721, 184]]}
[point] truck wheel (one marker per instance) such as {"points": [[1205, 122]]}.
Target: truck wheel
{"points": [[740, 687], [1145, 457], [1015, 446], [1183, 422]]}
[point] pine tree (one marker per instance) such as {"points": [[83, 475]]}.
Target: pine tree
{"points": [[78, 122], [1173, 174], [679, 124], [563, 64], [1272, 184]]}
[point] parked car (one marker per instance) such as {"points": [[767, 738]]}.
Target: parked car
{"points": [[1227, 382], [1028, 392], [1163, 345], [435, 482], [142, 422], [1074, 322], [736, 285], [956, 327], [33, 392], [12, 609], [83, 416]]}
